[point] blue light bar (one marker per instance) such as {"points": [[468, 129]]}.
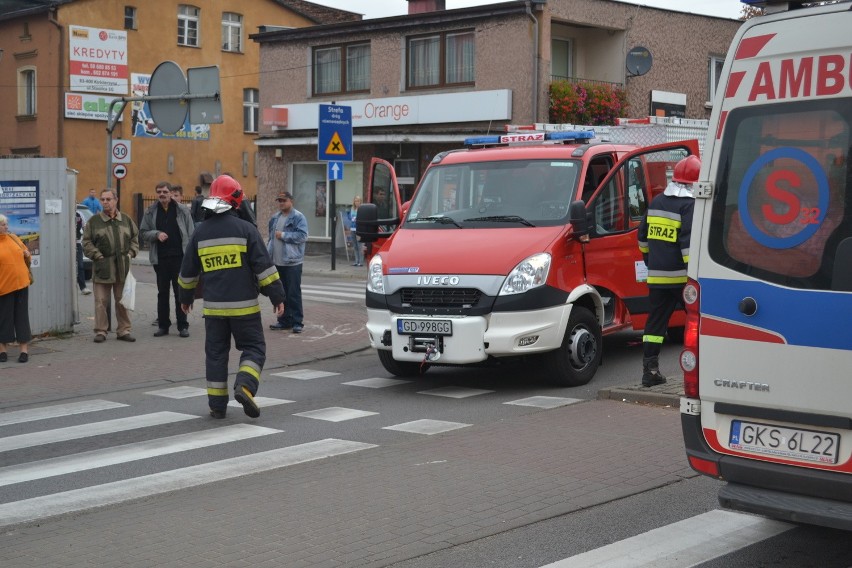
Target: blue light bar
{"points": [[571, 135], [481, 140], [530, 137]]}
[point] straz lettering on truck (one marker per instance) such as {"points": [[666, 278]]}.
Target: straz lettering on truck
{"points": [[741, 385]]}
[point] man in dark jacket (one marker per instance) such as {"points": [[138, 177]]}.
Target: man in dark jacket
{"points": [[664, 242], [230, 253]]}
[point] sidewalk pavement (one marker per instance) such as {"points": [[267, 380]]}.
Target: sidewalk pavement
{"points": [[72, 365]]}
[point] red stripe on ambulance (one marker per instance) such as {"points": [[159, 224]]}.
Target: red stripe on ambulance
{"points": [[750, 47]]}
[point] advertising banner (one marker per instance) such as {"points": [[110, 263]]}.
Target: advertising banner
{"points": [[19, 203], [89, 107], [143, 125], [98, 60]]}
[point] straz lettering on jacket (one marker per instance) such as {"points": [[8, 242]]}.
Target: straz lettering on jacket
{"points": [[221, 256], [662, 232]]}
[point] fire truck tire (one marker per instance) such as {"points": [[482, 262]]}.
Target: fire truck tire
{"points": [[400, 368], [577, 360]]}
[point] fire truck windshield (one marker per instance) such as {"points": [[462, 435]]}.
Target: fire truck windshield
{"points": [[537, 191]]}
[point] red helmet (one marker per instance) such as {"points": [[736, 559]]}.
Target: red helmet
{"points": [[686, 170], [225, 193]]}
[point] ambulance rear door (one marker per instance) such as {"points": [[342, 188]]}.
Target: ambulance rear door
{"points": [[774, 267]]}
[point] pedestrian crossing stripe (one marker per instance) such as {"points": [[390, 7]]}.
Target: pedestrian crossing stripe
{"points": [[335, 146], [37, 508], [685, 543]]}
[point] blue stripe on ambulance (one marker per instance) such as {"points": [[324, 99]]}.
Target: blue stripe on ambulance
{"points": [[803, 317]]}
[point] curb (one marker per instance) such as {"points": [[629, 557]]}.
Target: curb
{"points": [[642, 395]]}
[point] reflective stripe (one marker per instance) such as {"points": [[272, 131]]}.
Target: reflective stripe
{"points": [[221, 249], [223, 241], [187, 284], [643, 247], [686, 259], [217, 384], [249, 371], [652, 338], [231, 312], [229, 305], [268, 276], [667, 273], [664, 217], [666, 279], [217, 392]]}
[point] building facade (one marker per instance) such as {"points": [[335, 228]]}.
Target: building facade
{"points": [[62, 62], [418, 84]]}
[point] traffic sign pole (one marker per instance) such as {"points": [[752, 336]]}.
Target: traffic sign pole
{"points": [[334, 144]]}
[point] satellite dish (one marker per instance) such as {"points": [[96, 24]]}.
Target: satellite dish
{"points": [[168, 79], [639, 61]]}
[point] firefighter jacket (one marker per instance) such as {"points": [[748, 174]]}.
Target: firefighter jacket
{"points": [[664, 239], [229, 252]]}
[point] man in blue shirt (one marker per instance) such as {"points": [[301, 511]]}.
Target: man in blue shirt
{"points": [[288, 232], [93, 203]]}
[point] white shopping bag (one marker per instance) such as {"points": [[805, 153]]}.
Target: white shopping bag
{"points": [[128, 295]]}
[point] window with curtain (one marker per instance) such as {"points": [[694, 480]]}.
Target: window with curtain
{"points": [[232, 32], [334, 74], [27, 92], [441, 59], [251, 109], [188, 19]]}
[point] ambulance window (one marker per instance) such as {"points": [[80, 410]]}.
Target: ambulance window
{"points": [[783, 199]]}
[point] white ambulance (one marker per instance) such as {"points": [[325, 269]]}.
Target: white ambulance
{"points": [[767, 353]]}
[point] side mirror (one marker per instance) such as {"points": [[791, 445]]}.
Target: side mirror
{"points": [[578, 218], [366, 226]]}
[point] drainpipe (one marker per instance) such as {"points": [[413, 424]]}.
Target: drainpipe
{"points": [[60, 144], [535, 64]]}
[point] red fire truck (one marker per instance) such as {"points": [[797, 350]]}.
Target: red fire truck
{"points": [[518, 245]]}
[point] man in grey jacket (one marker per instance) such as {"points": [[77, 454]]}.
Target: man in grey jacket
{"points": [[167, 225]]}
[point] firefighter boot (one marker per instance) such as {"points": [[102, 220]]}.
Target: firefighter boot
{"points": [[651, 375], [244, 397]]}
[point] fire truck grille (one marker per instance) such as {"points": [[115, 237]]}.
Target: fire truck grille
{"points": [[440, 297]]}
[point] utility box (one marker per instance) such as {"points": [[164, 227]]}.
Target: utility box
{"points": [[38, 197]]}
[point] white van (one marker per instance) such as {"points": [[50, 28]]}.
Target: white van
{"points": [[767, 354]]}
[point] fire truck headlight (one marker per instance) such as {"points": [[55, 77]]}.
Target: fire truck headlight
{"points": [[528, 274], [375, 280]]}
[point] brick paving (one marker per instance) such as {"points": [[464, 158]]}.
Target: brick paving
{"points": [[370, 508]]}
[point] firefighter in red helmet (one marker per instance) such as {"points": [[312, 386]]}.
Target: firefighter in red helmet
{"points": [[230, 253], [664, 242]]}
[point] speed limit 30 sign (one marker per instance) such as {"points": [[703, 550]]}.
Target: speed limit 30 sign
{"points": [[121, 151]]}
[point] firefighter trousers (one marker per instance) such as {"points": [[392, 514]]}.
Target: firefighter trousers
{"points": [[663, 303], [247, 332]]}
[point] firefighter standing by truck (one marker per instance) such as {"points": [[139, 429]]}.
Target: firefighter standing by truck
{"points": [[664, 242], [229, 252]]}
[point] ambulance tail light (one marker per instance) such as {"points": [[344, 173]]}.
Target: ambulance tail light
{"points": [[707, 467], [689, 355]]}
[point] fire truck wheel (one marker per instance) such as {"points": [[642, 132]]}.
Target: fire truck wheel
{"points": [[577, 360], [400, 368]]}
